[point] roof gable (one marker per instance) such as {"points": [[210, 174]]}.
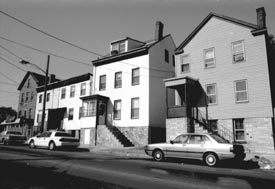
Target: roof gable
{"points": [[253, 27], [39, 79]]}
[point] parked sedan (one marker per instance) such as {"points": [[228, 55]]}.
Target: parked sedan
{"points": [[12, 137], [209, 148], [53, 139]]}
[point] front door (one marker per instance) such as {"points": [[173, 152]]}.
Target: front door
{"points": [[196, 147], [102, 113], [178, 147]]}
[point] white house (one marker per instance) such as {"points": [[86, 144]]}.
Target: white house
{"points": [[63, 103], [128, 105], [227, 60]]}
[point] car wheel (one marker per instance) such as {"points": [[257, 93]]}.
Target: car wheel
{"points": [[51, 146], [31, 145], [158, 155], [211, 159]]}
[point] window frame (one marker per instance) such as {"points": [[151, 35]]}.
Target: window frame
{"points": [[214, 94], [133, 109], [133, 78], [72, 91], [117, 112], [116, 80], [71, 114], [83, 89], [238, 130], [102, 86], [240, 52], [48, 97], [40, 98], [204, 58], [236, 92], [32, 95], [183, 63], [27, 97], [63, 93]]}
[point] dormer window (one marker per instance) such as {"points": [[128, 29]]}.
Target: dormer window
{"points": [[120, 47]]}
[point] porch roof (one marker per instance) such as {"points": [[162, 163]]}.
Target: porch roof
{"points": [[16, 121], [95, 96], [176, 81]]}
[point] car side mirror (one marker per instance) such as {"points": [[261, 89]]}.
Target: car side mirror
{"points": [[171, 142]]}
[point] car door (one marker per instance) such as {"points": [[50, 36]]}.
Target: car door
{"points": [[178, 147], [46, 139], [39, 139], [195, 147]]}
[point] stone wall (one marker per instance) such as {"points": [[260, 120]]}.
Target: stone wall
{"points": [[139, 136], [175, 127], [106, 139], [258, 134], [92, 136]]}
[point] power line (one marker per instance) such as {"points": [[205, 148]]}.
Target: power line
{"points": [[10, 52], [49, 35], [8, 78], [12, 64], [44, 52]]}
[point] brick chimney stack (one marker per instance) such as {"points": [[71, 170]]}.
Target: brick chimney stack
{"points": [[159, 31], [52, 78], [261, 17]]}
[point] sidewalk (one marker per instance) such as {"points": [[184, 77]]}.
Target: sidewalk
{"points": [[265, 161]]}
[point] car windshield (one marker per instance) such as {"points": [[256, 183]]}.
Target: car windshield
{"points": [[61, 134], [14, 133], [219, 139]]}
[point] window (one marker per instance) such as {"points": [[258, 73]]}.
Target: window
{"points": [[120, 47], [32, 95], [135, 108], [27, 96], [91, 88], [72, 92], [89, 108], [22, 98], [102, 82], [117, 109], [63, 93], [71, 114], [196, 139], [185, 63], [25, 113], [83, 89], [209, 58], [181, 139], [173, 59], [48, 97], [28, 84], [238, 128], [40, 98], [166, 55], [238, 51], [118, 79], [135, 76], [241, 91], [30, 113], [211, 91]]}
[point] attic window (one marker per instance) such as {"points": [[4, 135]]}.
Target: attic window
{"points": [[120, 47], [209, 58], [238, 51]]}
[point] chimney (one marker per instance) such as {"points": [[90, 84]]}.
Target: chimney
{"points": [[52, 78], [261, 17], [159, 31]]}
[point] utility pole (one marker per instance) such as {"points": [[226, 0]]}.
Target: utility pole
{"points": [[43, 126]]}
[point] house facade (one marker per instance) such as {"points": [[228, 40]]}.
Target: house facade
{"points": [[223, 83], [128, 104], [63, 104], [27, 99]]}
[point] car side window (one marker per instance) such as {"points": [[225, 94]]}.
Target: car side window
{"points": [[180, 139], [196, 139]]}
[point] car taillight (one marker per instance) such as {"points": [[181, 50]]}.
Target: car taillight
{"points": [[231, 149]]}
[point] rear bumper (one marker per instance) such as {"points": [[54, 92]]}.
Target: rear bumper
{"points": [[67, 144]]}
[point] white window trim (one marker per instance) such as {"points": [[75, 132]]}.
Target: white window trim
{"points": [[182, 63], [235, 130], [204, 58], [233, 53], [246, 83], [216, 93]]}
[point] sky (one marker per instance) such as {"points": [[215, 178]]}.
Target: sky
{"points": [[92, 25]]}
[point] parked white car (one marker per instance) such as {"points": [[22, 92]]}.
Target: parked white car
{"points": [[53, 139], [207, 147]]}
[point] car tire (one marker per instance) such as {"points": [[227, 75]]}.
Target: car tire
{"points": [[158, 155], [211, 159], [51, 145], [31, 145]]}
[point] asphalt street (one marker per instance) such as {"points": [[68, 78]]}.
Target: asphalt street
{"points": [[39, 168]]}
